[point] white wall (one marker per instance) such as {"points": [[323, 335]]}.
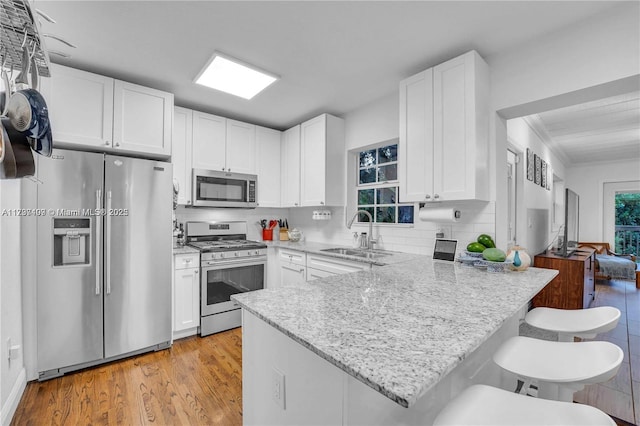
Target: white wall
{"points": [[533, 196], [588, 182], [598, 50], [595, 58], [12, 372]]}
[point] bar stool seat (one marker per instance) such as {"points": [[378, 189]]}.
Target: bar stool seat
{"points": [[561, 368], [486, 405], [583, 323]]}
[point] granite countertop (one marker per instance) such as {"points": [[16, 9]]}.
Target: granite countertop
{"points": [[399, 328], [185, 250], [311, 247]]}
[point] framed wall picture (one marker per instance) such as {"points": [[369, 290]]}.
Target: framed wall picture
{"points": [[543, 174], [529, 164], [537, 169]]}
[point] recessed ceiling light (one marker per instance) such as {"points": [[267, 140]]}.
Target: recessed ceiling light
{"points": [[233, 76]]}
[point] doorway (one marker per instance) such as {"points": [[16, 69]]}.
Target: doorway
{"points": [[621, 236], [513, 160]]}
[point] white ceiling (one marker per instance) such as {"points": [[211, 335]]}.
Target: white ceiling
{"points": [[603, 130], [332, 56]]}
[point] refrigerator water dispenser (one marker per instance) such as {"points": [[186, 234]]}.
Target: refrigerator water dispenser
{"points": [[71, 241]]}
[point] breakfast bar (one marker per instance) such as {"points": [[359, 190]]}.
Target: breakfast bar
{"points": [[386, 346]]}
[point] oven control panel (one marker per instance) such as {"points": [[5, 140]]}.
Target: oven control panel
{"points": [[233, 254]]}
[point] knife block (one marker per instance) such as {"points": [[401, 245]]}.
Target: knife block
{"points": [[284, 234]]}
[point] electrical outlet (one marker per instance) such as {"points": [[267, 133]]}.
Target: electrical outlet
{"points": [[277, 388]]}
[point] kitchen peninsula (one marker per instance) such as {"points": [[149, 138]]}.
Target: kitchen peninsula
{"points": [[386, 346]]}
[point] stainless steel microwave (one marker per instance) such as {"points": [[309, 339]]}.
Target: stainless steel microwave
{"points": [[212, 188]]}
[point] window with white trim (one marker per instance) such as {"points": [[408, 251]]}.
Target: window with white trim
{"points": [[377, 188]]}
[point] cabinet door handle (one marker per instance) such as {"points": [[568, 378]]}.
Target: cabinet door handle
{"points": [[106, 143], [427, 197], [195, 272], [117, 143], [436, 196]]}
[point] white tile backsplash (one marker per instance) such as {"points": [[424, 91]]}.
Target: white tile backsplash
{"points": [[476, 218]]}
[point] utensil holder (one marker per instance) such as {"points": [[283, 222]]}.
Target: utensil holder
{"points": [[284, 235], [267, 234]]}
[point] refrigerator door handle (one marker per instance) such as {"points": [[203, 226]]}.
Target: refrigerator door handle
{"points": [[98, 232], [108, 238]]}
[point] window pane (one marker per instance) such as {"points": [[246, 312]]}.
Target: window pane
{"points": [[386, 196], [386, 214], [362, 217], [405, 214], [368, 175], [365, 196], [388, 153], [368, 158], [386, 173]]}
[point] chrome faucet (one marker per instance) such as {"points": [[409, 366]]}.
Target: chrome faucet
{"points": [[370, 240]]}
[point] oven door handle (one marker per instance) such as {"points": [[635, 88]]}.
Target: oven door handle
{"points": [[247, 261]]}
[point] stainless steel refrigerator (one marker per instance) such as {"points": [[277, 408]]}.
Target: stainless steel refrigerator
{"points": [[103, 259]]}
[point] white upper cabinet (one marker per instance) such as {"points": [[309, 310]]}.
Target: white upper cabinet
{"points": [[80, 107], [322, 164], [181, 152], [268, 164], [444, 131], [290, 174], [209, 141], [415, 148], [240, 147], [223, 144], [92, 111], [142, 119]]}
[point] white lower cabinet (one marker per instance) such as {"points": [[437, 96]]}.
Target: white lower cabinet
{"points": [[292, 265], [292, 273], [186, 295], [298, 267], [325, 266]]}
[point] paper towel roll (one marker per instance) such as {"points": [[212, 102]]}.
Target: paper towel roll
{"points": [[439, 214]]}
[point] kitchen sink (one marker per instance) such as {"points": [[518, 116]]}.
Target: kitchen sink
{"points": [[354, 252]]}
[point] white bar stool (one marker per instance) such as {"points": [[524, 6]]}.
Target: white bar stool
{"points": [[560, 368], [570, 323], [486, 405]]}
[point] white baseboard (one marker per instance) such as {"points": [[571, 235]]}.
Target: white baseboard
{"points": [[9, 407], [185, 333]]}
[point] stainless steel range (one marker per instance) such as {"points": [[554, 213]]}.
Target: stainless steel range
{"points": [[229, 264]]}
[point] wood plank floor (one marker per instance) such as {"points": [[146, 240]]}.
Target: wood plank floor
{"points": [[198, 381], [619, 397]]}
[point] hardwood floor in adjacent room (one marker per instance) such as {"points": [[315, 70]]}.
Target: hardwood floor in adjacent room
{"points": [[619, 397], [198, 381]]}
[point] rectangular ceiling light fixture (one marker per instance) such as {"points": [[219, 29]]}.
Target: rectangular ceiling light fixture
{"points": [[233, 76]]}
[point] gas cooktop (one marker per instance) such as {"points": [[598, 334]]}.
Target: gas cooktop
{"points": [[226, 245]]}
